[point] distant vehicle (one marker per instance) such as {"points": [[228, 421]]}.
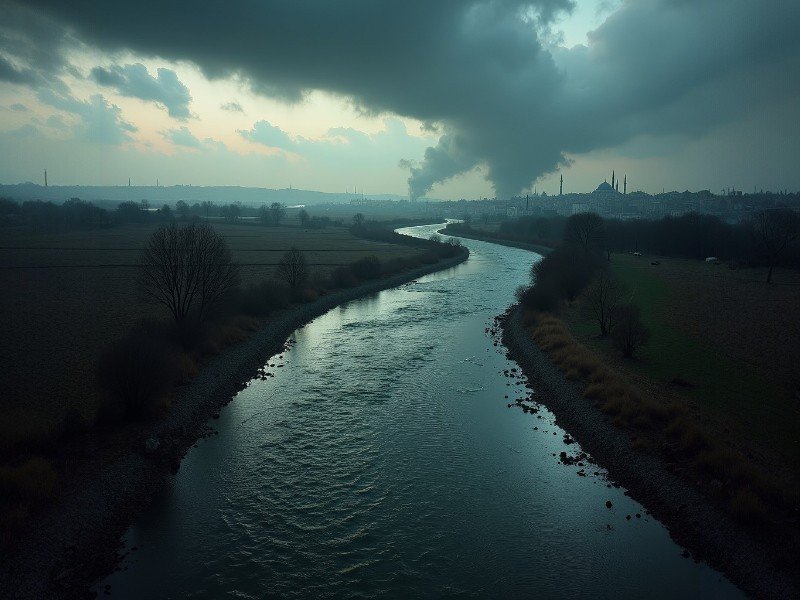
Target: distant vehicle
{"points": [[637, 253], [713, 260], [655, 263]]}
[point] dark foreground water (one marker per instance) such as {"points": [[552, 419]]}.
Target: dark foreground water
{"points": [[382, 460]]}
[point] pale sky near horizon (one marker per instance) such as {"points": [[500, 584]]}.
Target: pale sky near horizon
{"points": [[468, 99]]}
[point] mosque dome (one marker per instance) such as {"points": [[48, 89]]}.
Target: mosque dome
{"points": [[604, 187]]}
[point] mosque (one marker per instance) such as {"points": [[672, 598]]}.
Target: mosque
{"points": [[609, 190]]}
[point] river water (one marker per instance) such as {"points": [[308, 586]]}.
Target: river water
{"points": [[383, 460]]}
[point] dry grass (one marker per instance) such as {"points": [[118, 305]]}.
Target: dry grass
{"points": [[749, 492]]}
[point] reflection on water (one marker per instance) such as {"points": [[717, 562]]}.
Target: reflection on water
{"points": [[382, 460]]}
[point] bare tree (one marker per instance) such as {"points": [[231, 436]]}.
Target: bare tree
{"points": [[189, 270], [293, 268], [629, 334], [304, 217], [775, 231], [358, 220], [277, 212], [586, 231], [603, 299]]}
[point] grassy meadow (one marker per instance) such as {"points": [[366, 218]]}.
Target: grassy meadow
{"points": [[65, 297], [720, 338]]}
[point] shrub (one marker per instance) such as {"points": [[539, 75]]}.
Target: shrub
{"points": [[629, 333], [293, 268], [367, 268], [746, 507], [32, 482], [137, 371], [263, 298], [541, 297], [343, 277]]}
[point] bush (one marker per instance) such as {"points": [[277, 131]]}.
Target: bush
{"points": [[263, 298], [541, 297], [367, 268], [137, 371], [629, 333], [32, 482], [343, 277]]}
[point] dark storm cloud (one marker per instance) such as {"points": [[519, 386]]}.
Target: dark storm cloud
{"points": [[135, 82], [502, 98]]}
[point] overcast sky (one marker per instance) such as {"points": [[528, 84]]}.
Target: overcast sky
{"points": [[449, 98]]}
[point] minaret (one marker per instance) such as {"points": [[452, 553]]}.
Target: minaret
{"points": [[625, 184], [45, 178], [129, 182], [561, 186], [612, 179], [527, 198], [616, 189]]}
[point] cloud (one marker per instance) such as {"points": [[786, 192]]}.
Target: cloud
{"points": [[23, 132], [99, 121], [485, 71], [134, 81], [232, 107], [182, 137], [56, 122], [267, 134], [17, 107]]}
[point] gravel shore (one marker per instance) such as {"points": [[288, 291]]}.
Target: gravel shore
{"points": [[761, 568], [76, 542]]}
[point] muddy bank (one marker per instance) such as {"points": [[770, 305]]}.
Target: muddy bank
{"points": [[474, 235], [77, 541], [762, 568]]}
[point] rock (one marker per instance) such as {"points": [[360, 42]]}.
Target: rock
{"points": [[151, 444], [609, 504], [628, 517]]}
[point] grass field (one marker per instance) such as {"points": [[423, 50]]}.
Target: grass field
{"points": [[65, 297], [722, 339]]}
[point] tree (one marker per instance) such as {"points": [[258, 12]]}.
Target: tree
{"points": [[774, 232], [358, 220], [207, 205], [277, 212], [182, 209], [292, 268], [230, 212], [188, 270], [304, 217], [629, 332], [586, 231], [603, 299], [166, 213]]}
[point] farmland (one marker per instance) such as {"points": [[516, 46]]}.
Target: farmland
{"points": [[722, 340], [67, 296]]}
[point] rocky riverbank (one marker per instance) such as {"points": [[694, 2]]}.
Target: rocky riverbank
{"points": [[77, 541], [754, 561]]}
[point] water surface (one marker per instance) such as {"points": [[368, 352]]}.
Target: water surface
{"points": [[382, 460]]}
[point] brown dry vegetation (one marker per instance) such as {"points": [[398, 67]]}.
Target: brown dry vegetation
{"points": [[64, 297], [668, 425]]}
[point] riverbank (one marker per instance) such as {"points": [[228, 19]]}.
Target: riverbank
{"points": [[761, 567], [474, 235], [77, 541]]}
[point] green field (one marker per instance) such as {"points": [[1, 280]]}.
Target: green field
{"points": [[741, 393], [65, 297]]}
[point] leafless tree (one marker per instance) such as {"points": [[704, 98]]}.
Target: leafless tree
{"points": [[774, 231], [603, 298], [277, 212], [629, 333], [189, 270], [293, 268], [358, 220], [586, 231]]}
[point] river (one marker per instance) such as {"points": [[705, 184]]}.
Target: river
{"points": [[382, 460]]}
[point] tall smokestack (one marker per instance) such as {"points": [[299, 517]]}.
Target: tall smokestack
{"points": [[527, 198], [45, 178], [625, 184], [561, 186], [612, 179]]}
